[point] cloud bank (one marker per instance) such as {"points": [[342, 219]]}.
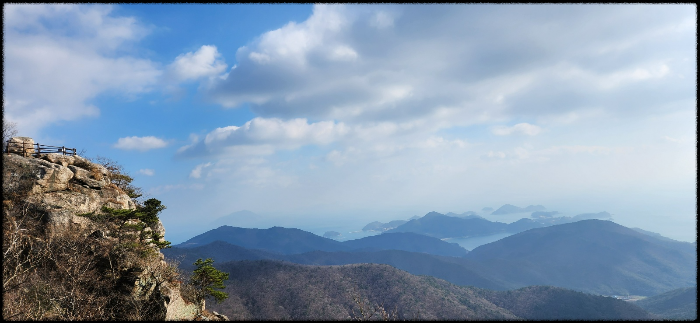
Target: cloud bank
{"points": [[59, 57]]}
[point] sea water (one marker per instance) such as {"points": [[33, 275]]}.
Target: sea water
{"points": [[473, 242]]}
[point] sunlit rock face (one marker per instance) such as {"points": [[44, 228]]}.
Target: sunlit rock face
{"points": [[23, 146], [64, 189]]}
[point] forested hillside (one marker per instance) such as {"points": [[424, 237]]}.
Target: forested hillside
{"points": [[272, 290], [678, 304], [595, 256]]}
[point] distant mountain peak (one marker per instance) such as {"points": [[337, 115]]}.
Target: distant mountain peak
{"points": [[433, 213]]}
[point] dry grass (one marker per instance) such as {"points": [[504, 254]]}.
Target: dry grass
{"points": [[96, 173], [73, 276]]}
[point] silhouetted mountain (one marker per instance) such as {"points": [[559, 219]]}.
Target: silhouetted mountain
{"points": [[407, 241], [509, 208], [466, 215], [441, 226], [653, 234], [523, 224], [595, 256], [220, 251], [275, 239], [269, 290], [678, 304], [554, 303], [412, 262], [292, 241]]}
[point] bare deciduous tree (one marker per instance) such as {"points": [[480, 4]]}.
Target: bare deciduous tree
{"points": [[9, 130]]}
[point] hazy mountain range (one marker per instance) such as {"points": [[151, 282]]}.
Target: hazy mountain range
{"points": [[293, 241], [592, 256], [470, 224], [443, 226]]}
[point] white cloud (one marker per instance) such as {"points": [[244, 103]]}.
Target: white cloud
{"points": [[268, 134], [205, 62], [140, 143], [523, 128], [399, 102], [147, 172], [50, 74], [197, 171], [415, 62]]}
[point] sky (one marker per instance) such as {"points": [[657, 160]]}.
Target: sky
{"points": [[323, 116]]}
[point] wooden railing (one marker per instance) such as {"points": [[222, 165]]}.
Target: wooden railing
{"points": [[22, 148]]}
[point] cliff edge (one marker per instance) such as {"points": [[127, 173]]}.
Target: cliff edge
{"points": [[77, 246]]}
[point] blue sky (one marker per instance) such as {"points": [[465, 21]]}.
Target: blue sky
{"points": [[318, 116]]}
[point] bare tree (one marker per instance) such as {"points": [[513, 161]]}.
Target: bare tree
{"points": [[9, 130]]}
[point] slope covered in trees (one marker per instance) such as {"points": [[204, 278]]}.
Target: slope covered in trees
{"points": [[595, 256], [272, 290], [678, 304]]}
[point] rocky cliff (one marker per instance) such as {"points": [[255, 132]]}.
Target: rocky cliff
{"points": [[66, 223]]}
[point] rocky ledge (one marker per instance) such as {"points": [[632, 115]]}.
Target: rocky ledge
{"points": [[66, 188]]}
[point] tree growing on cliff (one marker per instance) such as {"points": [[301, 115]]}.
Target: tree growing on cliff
{"points": [[206, 279], [119, 177]]}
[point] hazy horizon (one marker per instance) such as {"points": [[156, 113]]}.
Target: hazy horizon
{"points": [[321, 116]]}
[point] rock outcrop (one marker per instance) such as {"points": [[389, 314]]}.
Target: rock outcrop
{"points": [[21, 145], [63, 187], [69, 192]]}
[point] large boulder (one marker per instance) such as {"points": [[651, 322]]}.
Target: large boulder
{"points": [[23, 146], [177, 308], [89, 178], [158, 228], [63, 192], [33, 176], [97, 171], [58, 159]]}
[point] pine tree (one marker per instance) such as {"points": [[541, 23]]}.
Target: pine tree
{"points": [[207, 279]]}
